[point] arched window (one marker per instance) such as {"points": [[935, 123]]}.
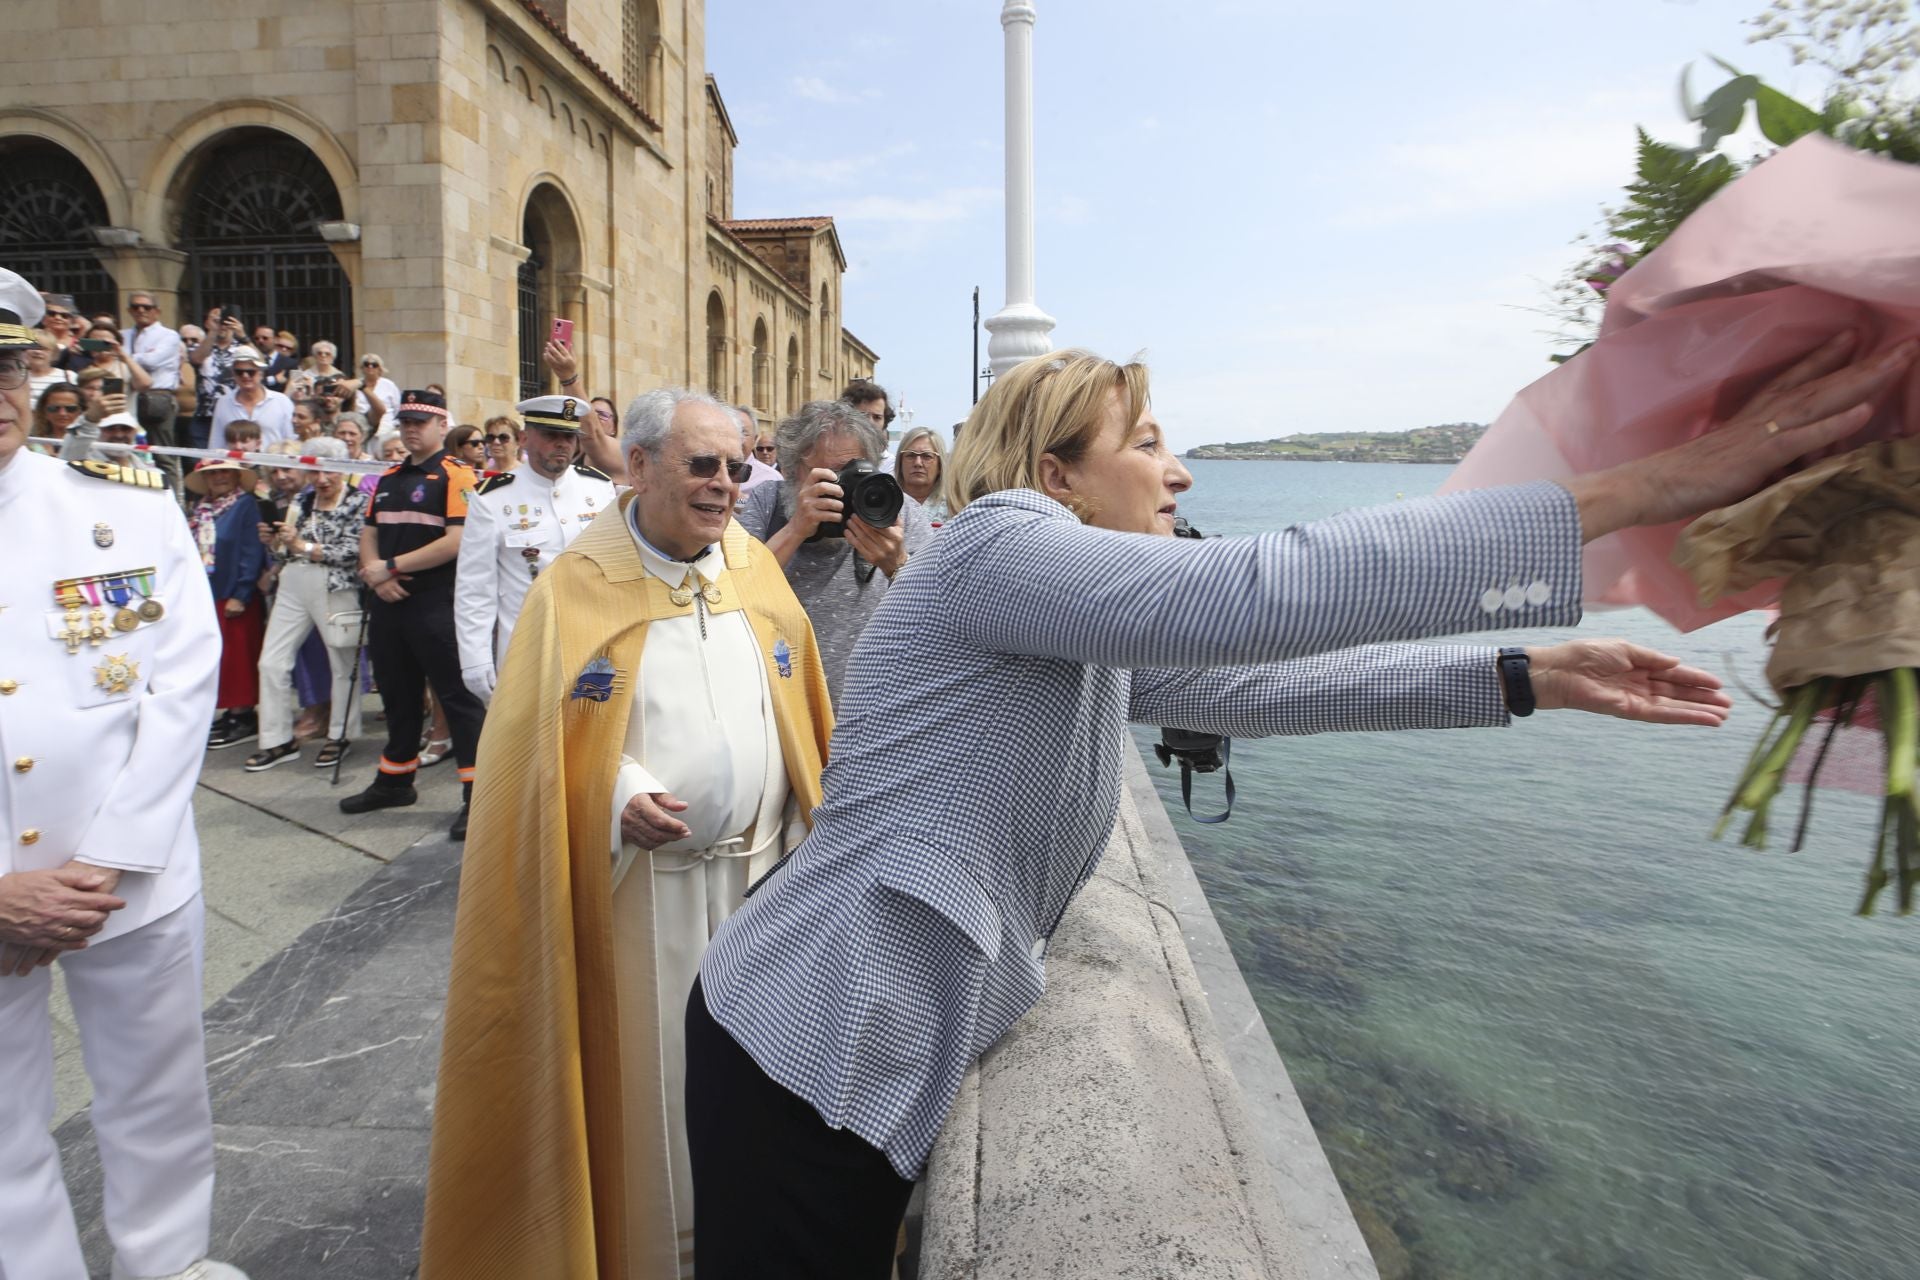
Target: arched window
{"points": [[552, 237], [762, 366], [249, 210], [718, 380], [49, 205], [640, 53], [827, 343], [793, 374]]}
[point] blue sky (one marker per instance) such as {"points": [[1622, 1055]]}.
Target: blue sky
{"points": [[1308, 217]]}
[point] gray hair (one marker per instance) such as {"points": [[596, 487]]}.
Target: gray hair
{"points": [[648, 421], [815, 421], [358, 419], [324, 447], [378, 445], [749, 424]]}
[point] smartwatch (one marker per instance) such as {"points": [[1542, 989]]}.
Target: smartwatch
{"points": [[1516, 681], [394, 569]]}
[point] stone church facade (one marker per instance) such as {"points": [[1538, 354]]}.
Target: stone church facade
{"points": [[434, 180]]}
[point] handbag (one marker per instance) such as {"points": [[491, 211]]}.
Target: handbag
{"points": [[342, 630]]}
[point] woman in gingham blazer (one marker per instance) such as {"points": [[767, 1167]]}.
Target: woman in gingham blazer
{"points": [[837, 1011]]}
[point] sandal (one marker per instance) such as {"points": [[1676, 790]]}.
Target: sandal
{"points": [[332, 752], [438, 749], [261, 761]]}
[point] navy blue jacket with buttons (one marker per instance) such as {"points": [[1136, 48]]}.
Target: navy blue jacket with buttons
{"points": [[908, 931]]}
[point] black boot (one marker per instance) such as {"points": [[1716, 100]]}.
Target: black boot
{"points": [[383, 794], [458, 831]]}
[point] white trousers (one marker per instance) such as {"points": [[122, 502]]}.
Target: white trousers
{"points": [[137, 999], [303, 603]]}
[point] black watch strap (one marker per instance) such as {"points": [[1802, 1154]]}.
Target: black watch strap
{"points": [[1516, 681]]}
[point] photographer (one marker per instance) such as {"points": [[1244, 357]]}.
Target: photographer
{"points": [[838, 564], [212, 361]]}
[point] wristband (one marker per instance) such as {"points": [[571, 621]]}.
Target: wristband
{"points": [[394, 569], [1516, 681], [567, 382]]}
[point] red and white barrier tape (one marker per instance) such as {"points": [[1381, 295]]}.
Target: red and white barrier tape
{"points": [[352, 466]]}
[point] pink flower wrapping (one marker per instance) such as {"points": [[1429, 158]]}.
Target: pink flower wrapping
{"points": [[1817, 239]]}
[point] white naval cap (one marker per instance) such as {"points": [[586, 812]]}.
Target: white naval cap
{"points": [[554, 413], [21, 308]]}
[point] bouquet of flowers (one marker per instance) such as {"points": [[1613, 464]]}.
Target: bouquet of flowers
{"points": [[1816, 240]]}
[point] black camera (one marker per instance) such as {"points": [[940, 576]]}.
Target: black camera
{"points": [[1196, 752], [868, 492]]}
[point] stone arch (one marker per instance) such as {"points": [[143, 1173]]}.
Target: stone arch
{"points": [[150, 212], [546, 100], [50, 205], [717, 380], [33, 122], [521, 83], [247, 207], [496, 63], [566, 114], [548, 284]]}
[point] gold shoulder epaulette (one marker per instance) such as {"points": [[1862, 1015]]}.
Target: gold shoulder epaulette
{"points": [[491, 483], [119, 473], [591, 473]]}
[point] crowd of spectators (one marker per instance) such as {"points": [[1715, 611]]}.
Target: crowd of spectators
{"points": [[283, 545]]}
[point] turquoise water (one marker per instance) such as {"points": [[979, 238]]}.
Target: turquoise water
{"points": [[1544, 1027]]}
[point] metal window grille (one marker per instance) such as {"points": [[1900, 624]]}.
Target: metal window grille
{"points": [[48, 207], [633, 53], [530, 334]]}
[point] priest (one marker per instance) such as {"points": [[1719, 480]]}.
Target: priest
{"points": [[654, 747]]}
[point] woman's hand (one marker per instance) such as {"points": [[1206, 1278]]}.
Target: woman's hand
{"points": [[234, 608], [565, 365], [1616, 678], [1817, 403]]}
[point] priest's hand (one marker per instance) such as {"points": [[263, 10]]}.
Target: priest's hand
{"points": [[885, 549], [1615, 678], [480, 681], [648, 820]]}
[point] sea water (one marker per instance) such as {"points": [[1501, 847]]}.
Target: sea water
{"points": [[1543, 1025]]}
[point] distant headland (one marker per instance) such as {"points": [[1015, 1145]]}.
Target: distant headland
{"points": [[1446, 443]]}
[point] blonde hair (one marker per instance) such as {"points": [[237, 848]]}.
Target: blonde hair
{"points": [[1053, 404]]}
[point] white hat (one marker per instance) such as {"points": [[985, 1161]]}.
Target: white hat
{"points": [[120, 420], [21, 308], [554, 413], [249, 353]]}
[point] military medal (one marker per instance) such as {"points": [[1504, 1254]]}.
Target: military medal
{"points": [[97, 615], [103, 536], [118, 593], [150, 610], [67, 596], [531, 555], [115, 674]]}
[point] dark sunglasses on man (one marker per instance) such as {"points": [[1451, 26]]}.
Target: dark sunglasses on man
{"points": [[706, 466], [499, 437]]}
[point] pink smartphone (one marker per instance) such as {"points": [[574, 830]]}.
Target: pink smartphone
{"points": [[563, 333]]}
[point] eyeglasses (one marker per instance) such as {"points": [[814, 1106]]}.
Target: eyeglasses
{"points": [[765, 450], [369, 364], [14, 372], [919, 455], [706, 466], [502, 438]]}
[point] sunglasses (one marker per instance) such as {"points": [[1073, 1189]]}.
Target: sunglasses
{"points": [[502, 438], [143, 306], [246, 373], [706, 466], [60, 408], [766, 450], [369, 364]]}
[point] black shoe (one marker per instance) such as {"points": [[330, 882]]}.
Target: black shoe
{"points": [[238, 729], [261, 761], [333, 750], [458, 831], [380, 796]]}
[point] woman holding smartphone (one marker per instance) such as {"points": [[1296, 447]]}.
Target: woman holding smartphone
{"points": [[103, 345]]}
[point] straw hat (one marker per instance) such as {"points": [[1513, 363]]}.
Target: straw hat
{"points": [[196, 479]]}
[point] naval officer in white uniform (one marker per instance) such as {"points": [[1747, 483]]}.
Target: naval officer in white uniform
{"points": [[517, 523], [109, 648]]}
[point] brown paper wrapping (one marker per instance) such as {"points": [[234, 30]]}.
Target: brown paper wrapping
{"points": [[1845, 536]]}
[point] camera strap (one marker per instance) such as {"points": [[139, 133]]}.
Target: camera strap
{"points": [[1186, 785]]}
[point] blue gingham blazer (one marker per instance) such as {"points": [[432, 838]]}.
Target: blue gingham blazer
{"points": [[908, 931]]}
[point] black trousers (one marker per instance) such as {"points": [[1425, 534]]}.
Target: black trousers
{"points": [[777, 1195], [412, 645]]}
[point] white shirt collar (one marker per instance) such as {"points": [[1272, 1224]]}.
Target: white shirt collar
{"points": [[710, 563]]}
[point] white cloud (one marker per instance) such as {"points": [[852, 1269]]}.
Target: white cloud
{"points": [[816, 89], [951, 205], [834, 171]]}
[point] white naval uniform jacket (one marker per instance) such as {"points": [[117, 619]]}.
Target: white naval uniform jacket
{"points": [[508, 516], [102, 747]]}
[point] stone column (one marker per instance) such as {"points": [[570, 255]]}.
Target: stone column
{"points": [[1020, 328]]}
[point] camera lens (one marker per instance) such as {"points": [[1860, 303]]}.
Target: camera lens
{"points": [[877, 500]]}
